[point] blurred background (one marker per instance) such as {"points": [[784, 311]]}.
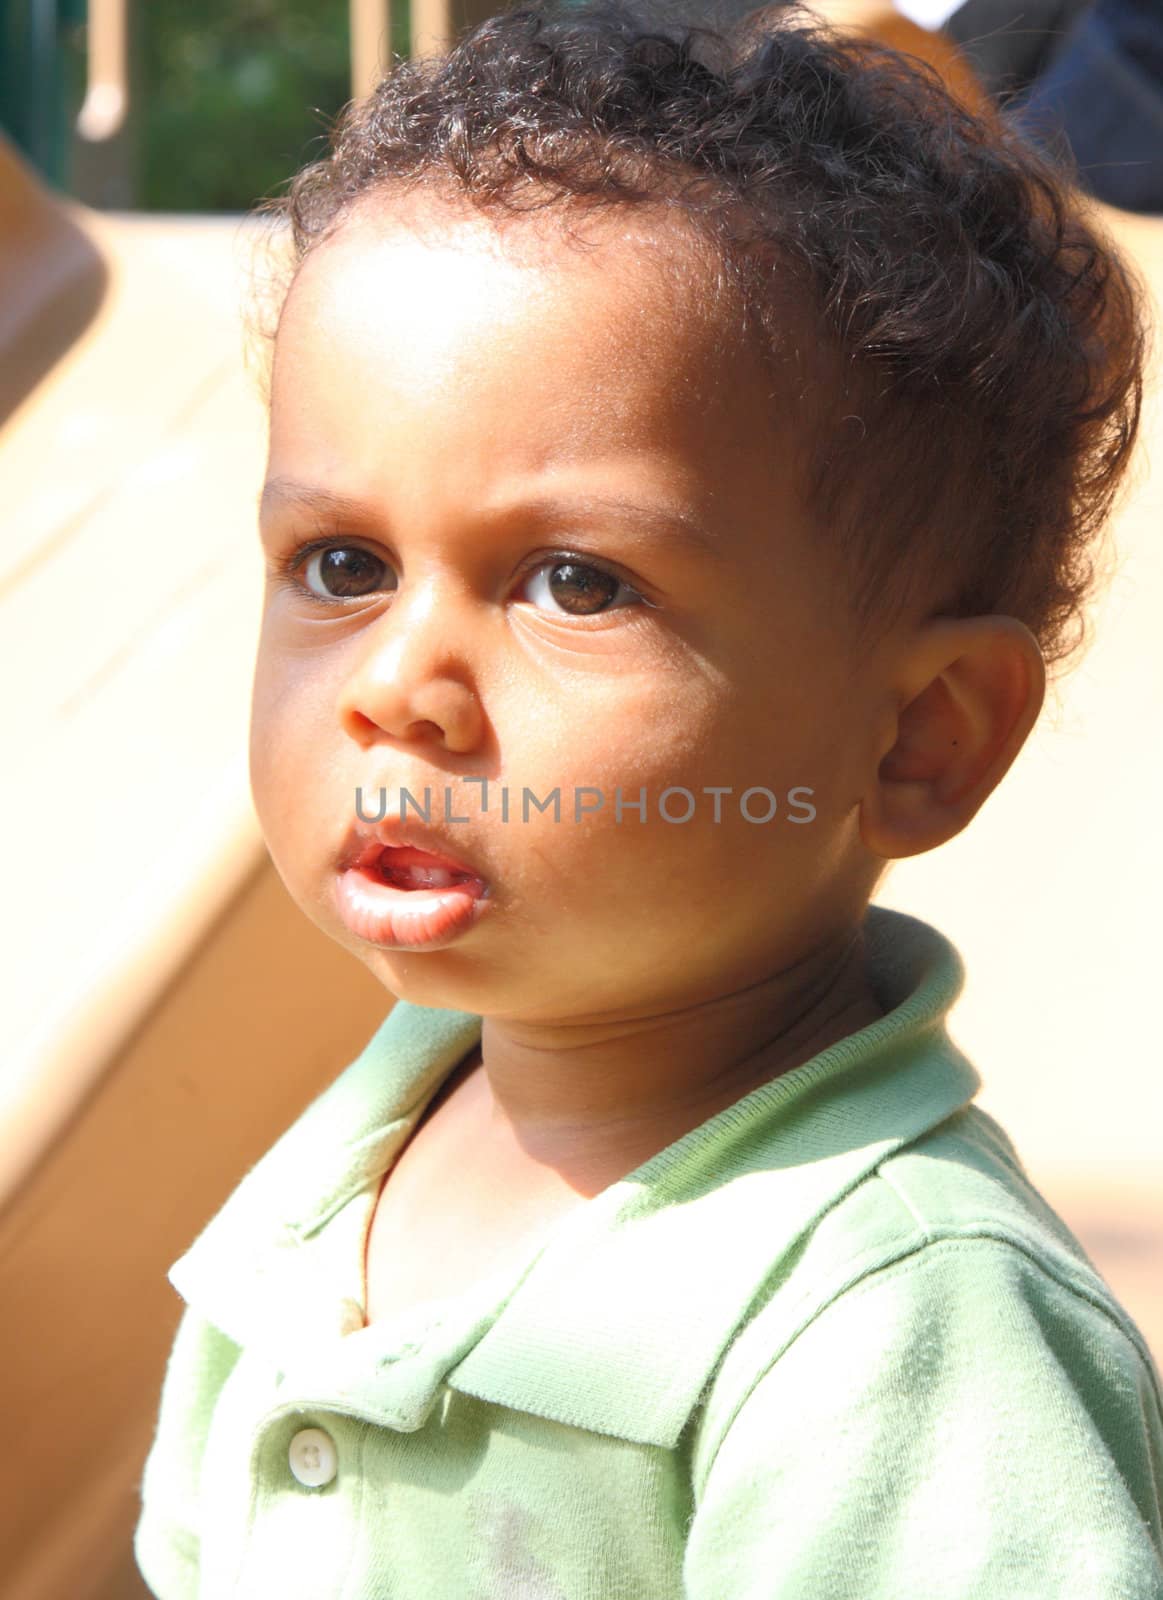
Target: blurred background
{"points": [[168, 1011]]}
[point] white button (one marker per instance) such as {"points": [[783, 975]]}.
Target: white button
{"points": [[313, 1457]]}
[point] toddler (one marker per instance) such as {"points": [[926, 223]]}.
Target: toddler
{"points": [[688, 447]]}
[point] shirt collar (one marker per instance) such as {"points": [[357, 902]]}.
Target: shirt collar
{"points": [[622, 1318]]}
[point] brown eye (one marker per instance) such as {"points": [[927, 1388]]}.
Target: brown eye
{"points": [[345, 572], [579, 589]]}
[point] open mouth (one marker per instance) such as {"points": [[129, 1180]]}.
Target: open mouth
{"points": [[408, 899], [402, 896], [406, 868]]}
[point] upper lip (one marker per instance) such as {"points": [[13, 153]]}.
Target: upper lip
{"points": [[366, 842]]}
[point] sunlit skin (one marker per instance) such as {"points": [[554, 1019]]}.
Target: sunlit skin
{"points": [[634, 978]]}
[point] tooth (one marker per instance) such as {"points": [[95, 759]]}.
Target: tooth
{"points": [[426, 877]]}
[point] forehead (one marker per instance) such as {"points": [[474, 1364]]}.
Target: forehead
{"points": [[653, 254], [597, 310]]}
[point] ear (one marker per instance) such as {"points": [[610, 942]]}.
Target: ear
{"points": [[967, 693]]}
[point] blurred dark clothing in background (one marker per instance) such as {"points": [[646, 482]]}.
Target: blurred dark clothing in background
{"points": [[1009, 42], [1082, 78]]}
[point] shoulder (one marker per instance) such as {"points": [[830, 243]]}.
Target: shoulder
{"points": [[943, 1268], [959, 1198], [935, 1394], [962, 1420]]}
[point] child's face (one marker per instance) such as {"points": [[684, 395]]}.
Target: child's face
{"points": [[473, 396]]}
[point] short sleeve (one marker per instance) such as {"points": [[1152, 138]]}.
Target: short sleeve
{"points": [[960, 1425], [166, 1541]]}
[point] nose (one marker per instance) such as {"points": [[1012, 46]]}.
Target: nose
{"points": [[414, 679]]}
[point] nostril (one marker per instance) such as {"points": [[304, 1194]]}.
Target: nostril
{"points": [[363, 728]]}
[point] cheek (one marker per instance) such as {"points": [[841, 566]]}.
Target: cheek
{"points": [[631, 736], [268, 746], [627, 743], [285, 749], [714, 735]]}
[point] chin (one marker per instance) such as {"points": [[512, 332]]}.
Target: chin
{"points": [[436, 978]]}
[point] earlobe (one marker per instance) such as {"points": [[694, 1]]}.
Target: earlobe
{"points": [[969, 693]]}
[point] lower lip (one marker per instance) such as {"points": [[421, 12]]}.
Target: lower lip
{"points": [[407, 919]]}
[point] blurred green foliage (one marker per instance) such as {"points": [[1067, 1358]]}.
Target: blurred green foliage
{"points": [[238, 94]]}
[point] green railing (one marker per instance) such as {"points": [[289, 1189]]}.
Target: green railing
{"points": [[42, 76]]}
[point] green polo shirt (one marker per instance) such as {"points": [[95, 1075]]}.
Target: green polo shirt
{"points": [[829, 1344]]}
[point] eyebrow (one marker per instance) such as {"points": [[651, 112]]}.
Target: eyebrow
{"points": [[671, 523]]}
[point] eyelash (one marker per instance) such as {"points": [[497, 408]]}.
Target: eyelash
{"points": [[285, 567]]}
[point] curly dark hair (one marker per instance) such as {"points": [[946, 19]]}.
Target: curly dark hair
{"points": [[967, 383]]}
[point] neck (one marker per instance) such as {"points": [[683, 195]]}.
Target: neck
{"points": [[592, 1100]]}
